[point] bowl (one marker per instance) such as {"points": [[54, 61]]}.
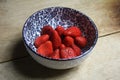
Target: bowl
{"points": [[65, 17]]}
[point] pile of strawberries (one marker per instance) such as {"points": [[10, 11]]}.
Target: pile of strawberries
{"points": [[60, 43]]}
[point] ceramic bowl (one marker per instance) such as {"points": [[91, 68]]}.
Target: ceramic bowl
{"points": [[65, 17]]}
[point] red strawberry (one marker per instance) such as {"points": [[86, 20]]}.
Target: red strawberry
{"points": [[68, 41], [45, 49], [81, 41], [76, 49], [72, 31], [47, 30], [60, 30], [67, 52], [56, 40], [41, 39], [62, 46], [56, 54]]}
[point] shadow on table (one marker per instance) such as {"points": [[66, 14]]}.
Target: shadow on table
{"points": [[115, 8], [27, 67], [19, 50]]}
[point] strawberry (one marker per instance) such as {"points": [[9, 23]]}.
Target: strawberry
{"points": [[76, 49], [47, 30], [60, 30], [68, 41], [67, 52], [56, 40], [45, 49], [72, 31], [81, 41], [41, 39], [56, 54], [62, 46]]}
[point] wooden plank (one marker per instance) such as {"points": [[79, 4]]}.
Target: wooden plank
{"points": [[102, 64], [13, 14]]}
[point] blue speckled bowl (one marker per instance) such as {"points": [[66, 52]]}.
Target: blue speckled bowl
{"points": [[59, 16]]}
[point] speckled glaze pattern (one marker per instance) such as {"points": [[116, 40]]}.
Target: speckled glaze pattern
{"points": [[55, 16]]}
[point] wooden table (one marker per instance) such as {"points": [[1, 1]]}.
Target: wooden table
{"points": [[102, 64]]}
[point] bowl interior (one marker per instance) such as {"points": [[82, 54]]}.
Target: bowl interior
{"points": [[55, 16]]}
